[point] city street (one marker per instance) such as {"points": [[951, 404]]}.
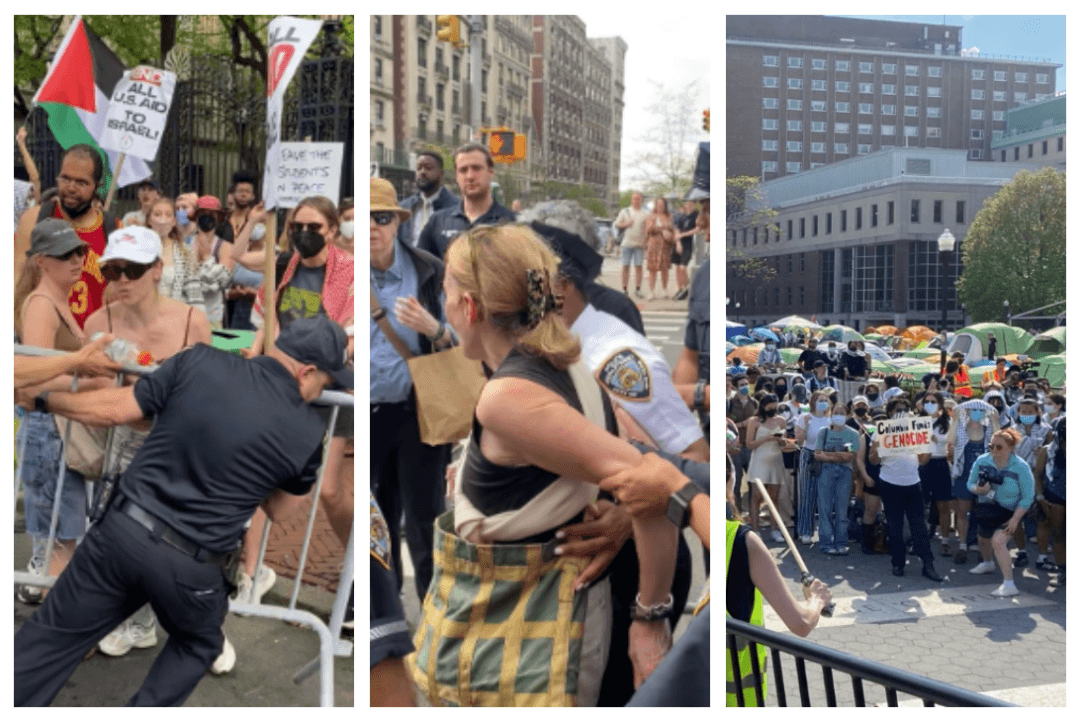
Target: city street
{"points": [[1012, 649]]}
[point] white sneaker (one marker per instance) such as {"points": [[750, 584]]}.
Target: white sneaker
{"points": [[777, 536], [267, 578], [226, 661], [651, 295], [984, 568], [1005, 591], [805, 539], [128, 635], [30, 594]]}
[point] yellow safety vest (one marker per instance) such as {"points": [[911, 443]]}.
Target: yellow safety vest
{"points": [[743, 646], [963, 382]]}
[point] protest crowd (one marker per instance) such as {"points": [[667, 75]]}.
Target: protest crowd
{"points": [[542, 455]]}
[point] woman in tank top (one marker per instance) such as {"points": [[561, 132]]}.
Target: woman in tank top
{"points": [[529, 429], [966, 441]]}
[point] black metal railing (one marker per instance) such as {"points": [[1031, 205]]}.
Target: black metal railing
{"points": [[893, 680]]}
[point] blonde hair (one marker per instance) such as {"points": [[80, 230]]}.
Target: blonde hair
{"points": [[28, 280], [174, 234], [492, 264]]}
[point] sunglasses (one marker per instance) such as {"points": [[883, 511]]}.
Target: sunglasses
{"points": [[382, 217], [310, 227], [999, 446], [79, 251], [133, 271]]}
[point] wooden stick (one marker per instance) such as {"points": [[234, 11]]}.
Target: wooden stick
{"points": [[269, 284], [114, 180]]}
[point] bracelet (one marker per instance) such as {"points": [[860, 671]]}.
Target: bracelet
{"points": [[651, 612], [438, 336], [699, 395]]}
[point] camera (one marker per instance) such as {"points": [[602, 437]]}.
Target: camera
{"points": [[986, 475]]}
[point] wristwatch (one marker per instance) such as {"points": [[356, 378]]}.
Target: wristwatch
{"points": [[40, 401], [699, 395], [678, 509]]}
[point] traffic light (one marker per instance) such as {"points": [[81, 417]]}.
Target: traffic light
{"points": [[449, 29], [506, 146], [705, 120]]}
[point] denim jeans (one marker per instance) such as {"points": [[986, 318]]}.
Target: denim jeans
{"points": [[40, 474], [834, 493], [808, 494]]}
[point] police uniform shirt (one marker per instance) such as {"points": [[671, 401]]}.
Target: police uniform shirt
{"points": [[635, 373], [389, 632], [615, 303], [390, 378], [227, 432], [447, 224]]}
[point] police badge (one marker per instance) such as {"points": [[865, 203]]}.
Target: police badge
{"points": [[380, 536], [626, 375]]}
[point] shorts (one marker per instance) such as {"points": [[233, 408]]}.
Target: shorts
{"points": [[875, 490], [41, 464], [1052, 497], [990, 517], [936, 481], [684, 248], [959, 489], [633, 256], [344, 426]]}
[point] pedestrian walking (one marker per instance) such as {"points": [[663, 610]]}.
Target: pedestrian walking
{"points": [[431, 196], [632, 221], [659, 242]]}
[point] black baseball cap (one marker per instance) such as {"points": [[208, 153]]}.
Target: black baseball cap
{"points": [[580, 263], [321, 342], [53, 237]]}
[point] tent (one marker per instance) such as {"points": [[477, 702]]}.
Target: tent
{"points": [[747, 353], [974, 341], [794, 322], [840, 334], [884, 330], [1050, 342], [734, 328], [1052, 367]]}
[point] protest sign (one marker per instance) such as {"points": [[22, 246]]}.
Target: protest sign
{"points": [[138, 109], [307, 168], [288, 40], [904, 436]]}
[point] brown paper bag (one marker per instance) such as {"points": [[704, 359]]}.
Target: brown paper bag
{"points": [[86, 447], [447, 388]]}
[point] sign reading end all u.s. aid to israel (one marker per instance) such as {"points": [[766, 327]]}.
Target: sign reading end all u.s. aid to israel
{"points": [[138, 109], [904, 436]]}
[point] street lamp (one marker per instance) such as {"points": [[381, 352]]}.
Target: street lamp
{"points": [[946, 245], [1008, 314]]}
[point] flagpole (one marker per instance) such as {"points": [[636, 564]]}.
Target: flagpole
{"points": [[112, 182]]}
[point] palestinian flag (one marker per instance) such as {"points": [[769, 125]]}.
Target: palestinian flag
{"points": [[75, 93]]}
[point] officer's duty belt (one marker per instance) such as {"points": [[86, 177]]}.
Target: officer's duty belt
{"points": [[166, 533]]}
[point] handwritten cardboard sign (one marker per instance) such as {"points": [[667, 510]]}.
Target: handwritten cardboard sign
{"points": [[138, 109], [307, 168], [904, 436]]}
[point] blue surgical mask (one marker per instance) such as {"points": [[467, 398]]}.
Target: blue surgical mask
{"points": [[822, 406], [977, 415], [1027, 419], [181, 216], [839, 419], [744, 390], [770, 346], [930, 407]]}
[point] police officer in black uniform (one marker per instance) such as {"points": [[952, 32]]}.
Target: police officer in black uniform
{"points": [[230, 434]]}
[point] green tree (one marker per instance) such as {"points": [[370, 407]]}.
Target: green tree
{"points": [[1015, 247], [746, 209], [583, 195], [666, 166]]}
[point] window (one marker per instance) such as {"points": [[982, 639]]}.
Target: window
{"points": [[828, 260], [976, 114], [911, 131], [802, 227], [817, 126], [794, 125], [1021, 77], [866, 88], [976, 134], [933, 71], [794, 167], [866, 108], [843, 107], [911, 70], [914, 211], [770, 103], [911, 91], [843, 86], [842, 128], [770, 60], [1031, 149], [817, 105], [840, 148], [794, 84], [1045, 143], [813, 234], [976, 154], [999, 96], [802, 295], [888, 89], [1042, 78], [888, 68], [858, 218], [873, 216], [888, 109], [794, 146], [843, 221], [1002, 154], [770, 124], [960, 211], [977, 94], [999, 76], [794, 104], [828, 223], [794, 62], [978, 74], [1061, 144], [866, 67], [933, 112], [866, 129], [770, 81], [789, 289], [790, 232], [933, 92], [818, 147], [1016, 153], [937, 211], [891, 207], [843, 65], [1019, 97], [776, 296], [911, 111], [999, 116], [865, 149], [819, 85], [818, 63], [755, 235], [770, 145], [888, 129], [933, 132]]}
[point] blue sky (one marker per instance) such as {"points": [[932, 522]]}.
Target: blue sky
{"points": [[1029, 36]]}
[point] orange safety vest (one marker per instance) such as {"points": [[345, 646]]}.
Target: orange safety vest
{"points": [[963, 382]]}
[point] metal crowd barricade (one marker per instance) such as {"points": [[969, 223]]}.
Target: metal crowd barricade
{"points": [[893, 680], [330, 642]]}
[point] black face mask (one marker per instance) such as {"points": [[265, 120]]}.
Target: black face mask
{"points": [[206, 223], [871, 397], [307, 243], [781, 391], [770, 412], [860, 411], [79, 210]]}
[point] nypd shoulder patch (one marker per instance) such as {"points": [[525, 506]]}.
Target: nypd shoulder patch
{"points": [[626, 375], [380, 536]]}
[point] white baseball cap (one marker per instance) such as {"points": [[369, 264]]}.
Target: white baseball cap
{"points": [[889, 394], [135, 244]]}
